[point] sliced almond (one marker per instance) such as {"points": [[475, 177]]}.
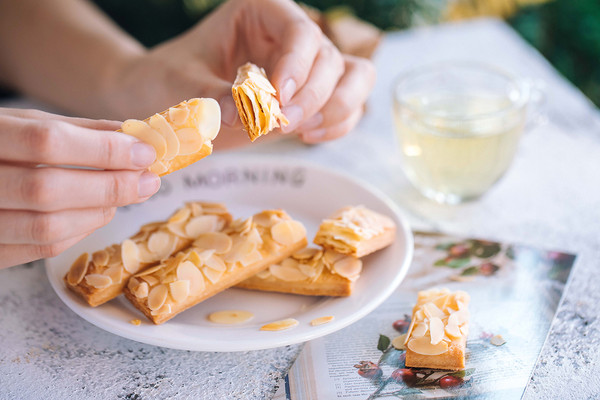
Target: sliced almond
{"points": [[239, 251], [216, 263], [453, 331], [321, 320], [307, 269], [264, 274], [459, 317], [208, 117], [130, 256], [212, 275], [306, 253], [100, 258], [497, 340], [78, 269], [183, 214], [422, 345], [161, 244], [251, 258], [436, 330], [145, 256], [431, 310], [280, 325], [141, 291], [420, 329], [160, 124], [159, 167], [190, 141], [330, 257], [254, 236], [136, 322], [98, 281], [143, 131], [219, 242], [398, 342], [180, 290], [264, 219], [188, 271], [348, 267], [200, 225], [150, 279], [165, 309], [230, 317], [115, 273], [464, 330], [288, 232], [287, 274], [196, 208], [157, 297], [179, 115], [149, 271]]}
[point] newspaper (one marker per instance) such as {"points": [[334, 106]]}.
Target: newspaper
{"points": [[515, 291]]}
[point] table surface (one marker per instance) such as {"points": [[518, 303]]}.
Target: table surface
{"points": [[549, 198]]}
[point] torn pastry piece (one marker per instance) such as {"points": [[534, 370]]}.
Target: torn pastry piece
{"points": [[437, 335], [181, 135], [215, 262], [102, 277], [356, 231], [309, 271], [255, 99]]}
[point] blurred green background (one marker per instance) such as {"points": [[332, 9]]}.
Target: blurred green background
{"points": [[566, 32]]}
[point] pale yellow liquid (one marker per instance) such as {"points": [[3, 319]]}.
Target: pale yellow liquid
{"points": [[455, 159]]}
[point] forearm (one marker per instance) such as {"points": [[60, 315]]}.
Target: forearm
{"points": [[64, 52]]}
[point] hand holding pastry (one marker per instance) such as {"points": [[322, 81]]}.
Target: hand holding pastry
{"points": [[46, 208], [321, 92]]}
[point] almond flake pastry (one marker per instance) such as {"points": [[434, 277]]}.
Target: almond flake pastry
{"points": [[102, 277], [356, 231], [437, 334], [215, 262], [181, 135], [310, 271], [255, 99]]}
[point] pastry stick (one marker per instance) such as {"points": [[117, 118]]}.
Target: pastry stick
{"points": [[356, 231], [213, 263], [181, 135], [103, 276], [255, 99], [310, 271], [437, 335]]}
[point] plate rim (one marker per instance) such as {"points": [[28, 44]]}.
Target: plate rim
{"points": [[275, 341]]}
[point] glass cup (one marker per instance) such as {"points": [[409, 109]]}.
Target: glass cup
{"points": [[458, 126]]}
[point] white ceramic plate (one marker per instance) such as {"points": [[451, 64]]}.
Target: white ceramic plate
{"points": [[308, 192]]}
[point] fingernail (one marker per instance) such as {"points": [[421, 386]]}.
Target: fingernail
{"points": [[142, 154], [287, 91], [148, 184], [314, 136], [311, 123], [294, 114], [229, 114]]}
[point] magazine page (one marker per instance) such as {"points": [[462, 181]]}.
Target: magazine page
{"points": [[514, 291]]}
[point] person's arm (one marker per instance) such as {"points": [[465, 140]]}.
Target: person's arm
{"points": [[64, 52]]}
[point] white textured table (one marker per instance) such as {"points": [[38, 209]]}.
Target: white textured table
{"points": [[549, 198]]}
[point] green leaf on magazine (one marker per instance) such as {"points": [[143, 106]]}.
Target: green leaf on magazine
{"points": [[440, 263], [483, 249], [444, 246], [459, 262], [383, 343], [470, 271]]}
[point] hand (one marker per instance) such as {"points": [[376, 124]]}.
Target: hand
{"points": [[321, 91], [46, 207]]}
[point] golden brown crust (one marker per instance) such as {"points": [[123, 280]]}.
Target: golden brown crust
{"points": [[328, 284], [453, 359], [180, 162]]}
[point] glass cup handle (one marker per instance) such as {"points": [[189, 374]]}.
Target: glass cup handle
{"points": [[537, 108]]}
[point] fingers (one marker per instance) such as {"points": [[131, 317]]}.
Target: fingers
{"points": [[53, 189], [347, 101], [57, 142], [300, 46], [14, 254], [324, 75], [333, 132], [27, 227], [101, 124]]}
